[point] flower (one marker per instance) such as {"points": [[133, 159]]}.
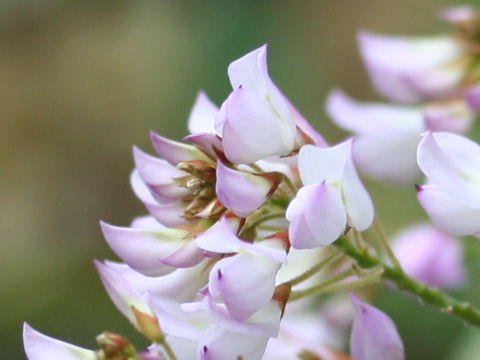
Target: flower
{"points": [[333, 196], [228, 281], [430, 255], [410, 70], [374, 335], [387, 131], [452, 197], [243, 192], [41, 347], [256, 120]]}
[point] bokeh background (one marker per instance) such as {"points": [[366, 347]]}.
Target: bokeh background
{"points": [[82, 81]]}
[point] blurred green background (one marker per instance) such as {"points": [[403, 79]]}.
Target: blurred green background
{"points": [[82, 81]]}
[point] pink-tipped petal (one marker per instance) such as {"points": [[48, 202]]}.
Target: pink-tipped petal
{"points": [[219, 344], [358, 204], [452, 162], [219, 238], [374, 335], [142, 249], [41, 347], [210, 143], [411, 69], [253, 130], [317, 216], [373, 118], [160, 176], [202, 115], [457, 14], [447, 213], [170, 214], [239, 290], [453, 116], [175, 152], [265, 322], [430, 256], [123, 293], [240, 192], [180, 285]]}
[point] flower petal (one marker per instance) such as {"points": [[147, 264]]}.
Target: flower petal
{"points": [[122, 292], [41, 347], [448, 214], [373, 118], [317, 165], [240, 192], [142, 249], [239, 290], [317, 216], [252, 129], [430, 256], [219, 344], [374, 335], [411, 69], [452, 162], [203, 115], [452, 116], [159, 175], [358, 204], [174, 151]]}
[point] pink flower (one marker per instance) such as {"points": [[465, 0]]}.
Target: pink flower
{"points": [[256, 120], [374, 335], [333, 196], [410, 70], [431, 256], [41, 347], [242, 192], [385, 132], [228, 280], [452, 165]]}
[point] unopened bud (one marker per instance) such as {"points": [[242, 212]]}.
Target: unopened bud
{"points": [[114, 345], [148, 325]]}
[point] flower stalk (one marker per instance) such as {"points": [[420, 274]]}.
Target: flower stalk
{"points": [[427, 295]]}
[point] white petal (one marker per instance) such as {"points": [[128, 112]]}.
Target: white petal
{"points": [[219, 344], [358, 204], [253, 130], [250, 71], [411, 69], [41, 347], [317, 165], [240, 192], [447, 213], [373, 118], [202, 115], [317, 216], [452, 162], [123, 293], [239, 290], [142, 249]]}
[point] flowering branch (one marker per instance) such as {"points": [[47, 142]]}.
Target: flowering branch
{"points": [[428, 295]]}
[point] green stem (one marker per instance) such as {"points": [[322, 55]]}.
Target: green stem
{"points": [[314, 269], [327, 283], [429, 296], [260, 221], [383, 238], [168, 349]]}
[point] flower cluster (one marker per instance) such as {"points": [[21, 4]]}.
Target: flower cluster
{"points": [[241, 218]]}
